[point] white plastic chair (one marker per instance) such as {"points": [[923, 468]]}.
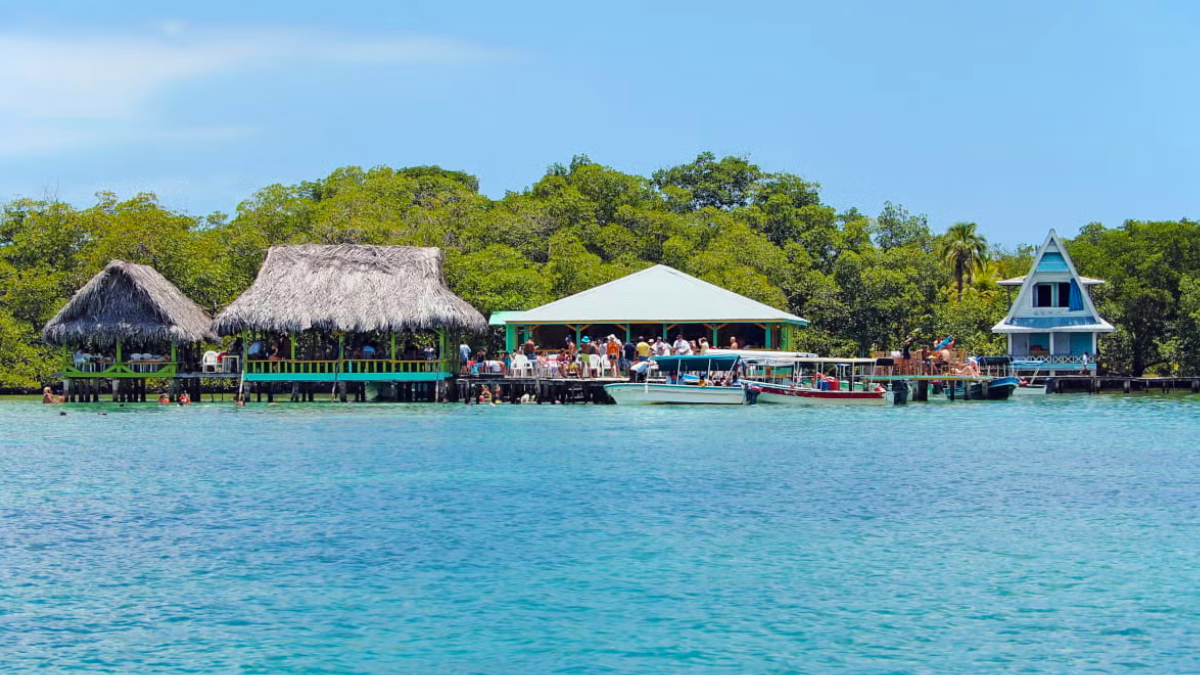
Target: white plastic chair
{"points": [[598, 364], [209, 362], [521, 367]]}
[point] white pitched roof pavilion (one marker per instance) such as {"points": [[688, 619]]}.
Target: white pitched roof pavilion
{"points": [[658, 294]]}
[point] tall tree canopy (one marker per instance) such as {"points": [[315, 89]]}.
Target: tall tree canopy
{"points": [[965, 251], [864, 283]]}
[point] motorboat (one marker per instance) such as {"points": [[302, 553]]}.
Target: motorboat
{"points": [[697, 379], [807, 379], [993, 389]]}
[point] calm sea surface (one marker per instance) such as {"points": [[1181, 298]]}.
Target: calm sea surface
{"points": [[1059, 535]]}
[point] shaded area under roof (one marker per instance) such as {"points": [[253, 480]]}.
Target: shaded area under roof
{"points": [[654, 295], [131, 303], [349, 288]]}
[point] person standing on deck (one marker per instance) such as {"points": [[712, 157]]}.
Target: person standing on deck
{"points": [[1084, 359], [682, 348], [642, 348], [464, 359], [570, 349], [585, 357], [613, 349], [630, 354]]}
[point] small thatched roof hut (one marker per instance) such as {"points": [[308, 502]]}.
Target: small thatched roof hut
{"points": [[349, 288], [130, 303]]}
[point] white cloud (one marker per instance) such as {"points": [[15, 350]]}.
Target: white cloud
{"points": [[65, 91]]}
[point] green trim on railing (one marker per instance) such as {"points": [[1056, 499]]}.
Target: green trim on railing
{"points": [[346, 366], [123, 370]]}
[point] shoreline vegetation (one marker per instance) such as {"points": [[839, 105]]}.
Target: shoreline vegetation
{"points": [[865, 282]]}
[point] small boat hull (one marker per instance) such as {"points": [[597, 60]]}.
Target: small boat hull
{"points": [[998, 389], [649, 393], [792, 395]]}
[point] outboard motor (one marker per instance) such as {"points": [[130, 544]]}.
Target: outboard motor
{"points": [[900, 392]]}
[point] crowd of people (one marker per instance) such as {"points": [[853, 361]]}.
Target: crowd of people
{"points": [[938, 358], [592, 357]]}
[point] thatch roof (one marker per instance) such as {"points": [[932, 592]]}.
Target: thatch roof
{"points": [[349, 288], [128, 302]]}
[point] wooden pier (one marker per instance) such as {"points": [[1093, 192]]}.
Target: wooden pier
{"points": [[1095, 384]]}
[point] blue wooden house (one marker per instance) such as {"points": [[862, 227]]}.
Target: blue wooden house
{"points": [[1053, 324]]}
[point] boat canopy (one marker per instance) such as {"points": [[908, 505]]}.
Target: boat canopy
{"points": [[686, 364]]}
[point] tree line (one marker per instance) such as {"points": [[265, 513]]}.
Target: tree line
{"points": [[865, 282]]}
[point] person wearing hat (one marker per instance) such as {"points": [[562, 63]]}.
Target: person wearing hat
{"points": [[585, 357], [613, 348]]}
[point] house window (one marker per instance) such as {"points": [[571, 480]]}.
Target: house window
{"points": [[1064, 295], [1052, 295], [1043, 295]]}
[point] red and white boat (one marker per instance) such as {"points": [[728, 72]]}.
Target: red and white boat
{"points": [[797, 394], [806, 379]]}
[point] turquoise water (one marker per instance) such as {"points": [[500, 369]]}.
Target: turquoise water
{"points": [[1059, 535]]}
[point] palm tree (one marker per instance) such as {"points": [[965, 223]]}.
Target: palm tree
{"points": [[964, 250]]}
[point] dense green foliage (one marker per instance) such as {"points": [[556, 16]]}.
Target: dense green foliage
{"points": [[865, 283]]}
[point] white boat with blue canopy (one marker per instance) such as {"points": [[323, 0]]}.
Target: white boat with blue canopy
{"points": [[699, 379]]}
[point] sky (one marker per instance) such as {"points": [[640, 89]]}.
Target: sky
{"points": [[1019, 116]]}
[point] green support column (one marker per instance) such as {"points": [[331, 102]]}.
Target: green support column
{"points": [[578, 335], [392, 351], [118, 360], [173, 358], [767, 336], [510, 337], [292, 345], [442, 357], [628, 332]]}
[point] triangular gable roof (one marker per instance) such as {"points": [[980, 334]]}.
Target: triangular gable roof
{"points": [[653, 295], [1053, 257]]}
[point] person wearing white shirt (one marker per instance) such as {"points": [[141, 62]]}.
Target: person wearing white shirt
{"points": [[682, 348]]}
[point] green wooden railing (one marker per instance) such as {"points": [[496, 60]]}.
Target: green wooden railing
{"points": [[331, 367], [119, 369]]}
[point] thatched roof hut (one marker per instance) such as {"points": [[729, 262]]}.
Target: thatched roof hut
{"points": [[130, 303], [349, 288]]}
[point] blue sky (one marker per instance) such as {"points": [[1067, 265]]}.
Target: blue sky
{"points": [[1019, 116]]}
